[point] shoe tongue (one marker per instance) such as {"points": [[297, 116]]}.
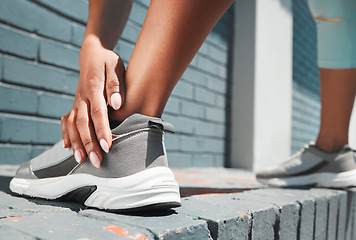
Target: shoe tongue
{"points": [[114, 123]]}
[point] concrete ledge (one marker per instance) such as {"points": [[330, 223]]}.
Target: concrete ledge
{"points": [[218, 203]]}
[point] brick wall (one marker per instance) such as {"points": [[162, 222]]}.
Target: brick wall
{"points": [[306, 98], [39, 46]]}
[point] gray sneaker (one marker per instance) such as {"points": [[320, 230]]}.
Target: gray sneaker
{"points": [[313, 166], [133, 175]]}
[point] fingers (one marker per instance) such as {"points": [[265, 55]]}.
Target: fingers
{"points": [[75, 140], [99, 117], [65, 135], [87, 135], [114, 83]]}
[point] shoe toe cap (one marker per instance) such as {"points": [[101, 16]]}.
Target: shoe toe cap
{"points": [[270, 173], [24, 171]]}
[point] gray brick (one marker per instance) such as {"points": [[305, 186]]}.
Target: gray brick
{"points": [[138, 13], [217, 40], [54, 105], [194, 76], [218, 54], [306, 230], [59, 54], [216, 85], [192, 144], [232, 222], [203, 160], [17, 42], [181, 125], [57, 220], [207, 65], [220, 101], [78, 32], [219, 161], [193, 110], [179, 159], [172, 226], [342, 216], [130, 33], [214, 114], [288, 225], [24, 129], [184, 90], [195, 61], [16, 99], [321, 219], [172, 106], [124, 49], [221, 71], [172, 142], [204, 49], [209, 129], [200, 145], [1, 66], [14, 154], [322, 197], [294, 206], [204, 96], [351, 224], [40, 76], [332, 215], [75, 9], [40, 20]]}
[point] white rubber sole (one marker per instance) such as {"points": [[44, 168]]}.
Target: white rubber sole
{"points": [[152, 186], [332, 180]]}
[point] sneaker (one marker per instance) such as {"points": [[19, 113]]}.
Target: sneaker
{"points": [[313, 166], [133, 175]]}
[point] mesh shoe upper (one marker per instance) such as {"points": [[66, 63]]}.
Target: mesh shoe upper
{"points": [[312, 159], [137, 145]]}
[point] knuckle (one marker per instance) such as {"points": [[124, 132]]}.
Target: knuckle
{"points": [[98, 112], [82, 121], [113, 84], [70, 121], [88, 143], [99, 131], [95, 82], [75, 142]]}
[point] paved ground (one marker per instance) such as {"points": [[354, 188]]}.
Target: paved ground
{"points": [[218, 203]]}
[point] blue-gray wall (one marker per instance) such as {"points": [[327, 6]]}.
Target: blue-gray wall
{"points": [[39, 46], [306, 97]]}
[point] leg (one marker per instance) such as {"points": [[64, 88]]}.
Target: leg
{"points": [[338, 89], [171, 35], [329, 163]]}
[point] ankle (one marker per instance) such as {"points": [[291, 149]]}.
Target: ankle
{"points": [[123, 113], [330, 146]]}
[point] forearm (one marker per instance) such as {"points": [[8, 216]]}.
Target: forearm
{"points": [[107, 20]]}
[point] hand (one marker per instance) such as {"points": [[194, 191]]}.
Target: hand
{"points": [[86, 125]]}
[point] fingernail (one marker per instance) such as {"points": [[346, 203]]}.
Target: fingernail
{"points": [[77, 156], [104, 145], [94, 159], [116, 101], [64, 146]]}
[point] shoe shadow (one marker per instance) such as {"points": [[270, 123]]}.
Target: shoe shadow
{"points": [[4, 184]]}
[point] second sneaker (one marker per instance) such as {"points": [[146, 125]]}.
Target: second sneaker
{"points": [[313, 166]]}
